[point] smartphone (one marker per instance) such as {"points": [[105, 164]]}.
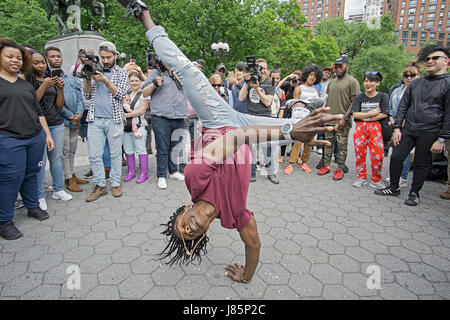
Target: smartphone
{"points": [[55, 73], [133, 60]]}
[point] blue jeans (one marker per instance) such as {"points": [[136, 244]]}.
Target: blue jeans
{"points": [[106, 157], [210, 107], [100, 131], [167, 149], [406, 166], [132, 144], [20, 161], [55, 158]]}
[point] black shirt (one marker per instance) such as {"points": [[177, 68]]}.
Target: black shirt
{"points": [[51, 110], [254, 105], [363, 103], [19, 108]]}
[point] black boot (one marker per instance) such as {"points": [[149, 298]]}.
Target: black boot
{"points": [[8, 231]]}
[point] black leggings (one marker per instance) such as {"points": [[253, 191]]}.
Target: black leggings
{"points": [[422, 158]]}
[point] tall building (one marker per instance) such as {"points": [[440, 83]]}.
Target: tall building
{"points": [[419, 22], [316, 10], [373, 9]]}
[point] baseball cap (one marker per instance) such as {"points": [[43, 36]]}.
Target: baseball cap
{"points": [[201, 62], [221, 66], [327, 69], [240, 66], [108, 46], [341, 60]]}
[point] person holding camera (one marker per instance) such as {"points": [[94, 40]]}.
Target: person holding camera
{"points": [[258, 91], [168, 110], [288, 87], [105, 88]]}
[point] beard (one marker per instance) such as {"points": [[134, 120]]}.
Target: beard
{"points": [[109, 65], [341, 75]]}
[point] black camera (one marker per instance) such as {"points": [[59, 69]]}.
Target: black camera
{"points": [[154, 62], [92, 65], [254, 68]]}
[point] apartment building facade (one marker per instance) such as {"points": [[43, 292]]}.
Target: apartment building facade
{"points": [[419, 22], [317, 10]]}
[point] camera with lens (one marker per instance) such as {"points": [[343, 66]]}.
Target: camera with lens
{"points": [[154, 62], [254, 68], [91, 66]]}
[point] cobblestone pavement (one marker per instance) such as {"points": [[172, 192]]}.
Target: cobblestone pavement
{"points": [[319, 237]]}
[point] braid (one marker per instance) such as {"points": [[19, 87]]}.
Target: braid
{"points": [[175, 248]]}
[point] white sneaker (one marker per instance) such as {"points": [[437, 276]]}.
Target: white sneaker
{"points": [[162, 184], [387, 180], [43, 204], [377, 185], [176, 176], [61, 195], [359, 183], [403, 183]]}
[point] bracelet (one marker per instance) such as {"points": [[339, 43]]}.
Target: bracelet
{"points": [[245, 281]]}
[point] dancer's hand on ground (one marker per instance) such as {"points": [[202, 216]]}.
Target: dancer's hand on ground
{"points": [[235, 273], [306, 129]]}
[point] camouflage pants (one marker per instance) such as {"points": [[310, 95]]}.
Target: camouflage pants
{"points": [[341, 137]]}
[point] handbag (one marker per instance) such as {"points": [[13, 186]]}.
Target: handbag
{"points": [[386, 129], [128, 126]]}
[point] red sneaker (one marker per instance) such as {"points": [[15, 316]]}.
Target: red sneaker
{"points": [[338, 174], [323, 170]]}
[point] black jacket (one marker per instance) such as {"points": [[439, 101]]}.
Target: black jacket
{"points": [[425, 106]]}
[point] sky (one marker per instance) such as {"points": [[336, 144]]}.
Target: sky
{"points": [[353, 7]]}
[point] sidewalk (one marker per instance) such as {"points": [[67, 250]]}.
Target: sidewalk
{"points": [[319, 237]]}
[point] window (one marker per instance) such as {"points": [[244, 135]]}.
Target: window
{"points": [[413, 43], [440, 22], [414, 35], [412, 11], [413, 3], [411, 18], [405, 34], [441, 36], [432, 35], [405, 42], [431, 16], [423, 35], [431, 8], [410, 25], [430, 24], [421, 17]]}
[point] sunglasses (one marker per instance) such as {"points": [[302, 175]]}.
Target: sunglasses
{"points": [[413, 75], [373, 73], [215, 85], [434, 58]]}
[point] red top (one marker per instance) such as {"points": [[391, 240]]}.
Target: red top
{"points": [[223, 185]]}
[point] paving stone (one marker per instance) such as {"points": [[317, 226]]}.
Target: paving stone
{"points": [[114, 274], [162, 293], [12, 270], [326, 274], [78, 254], [331, 247], [125, 255], [280, 293], [338, 292], [24, 283], [222, 293], [273, 274], [344, 263], [95, 263], [193, 287], [314, 255], [287, 247], [416, 284], [135, 287], [43, 292], [45, 263], [427, 272], [305, 285], [103, 293], [360, 254]]}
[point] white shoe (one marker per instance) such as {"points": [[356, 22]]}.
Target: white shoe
{"points": [[377, 185], [162, 184], [403, 183], [43, 204], [176, 176], [387, 180], [359, 183], [61, 195]]}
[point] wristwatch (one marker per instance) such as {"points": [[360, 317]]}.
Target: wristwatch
{"points": [[286, 130], [442, 140]]}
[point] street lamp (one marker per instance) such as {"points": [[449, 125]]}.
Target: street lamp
{"points": [[220, 49]]}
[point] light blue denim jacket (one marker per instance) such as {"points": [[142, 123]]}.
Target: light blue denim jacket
{"points": [[72, 98]]}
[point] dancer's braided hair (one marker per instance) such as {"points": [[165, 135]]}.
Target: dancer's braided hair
{"points": [[175, 248]]}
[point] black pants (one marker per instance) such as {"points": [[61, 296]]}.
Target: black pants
{"points": [[422, 158]]}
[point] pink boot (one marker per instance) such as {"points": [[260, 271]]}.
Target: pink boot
{"points": [[143, 163], [131, 167]]}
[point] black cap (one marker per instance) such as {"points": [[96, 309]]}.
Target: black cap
{"points": [[341, 60], [240, 66]]}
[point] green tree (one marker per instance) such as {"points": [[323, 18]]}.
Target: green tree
{"points": [[25, 21], [389, 60]]}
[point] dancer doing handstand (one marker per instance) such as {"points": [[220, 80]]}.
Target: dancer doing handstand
{"points": [[218, 174]]}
